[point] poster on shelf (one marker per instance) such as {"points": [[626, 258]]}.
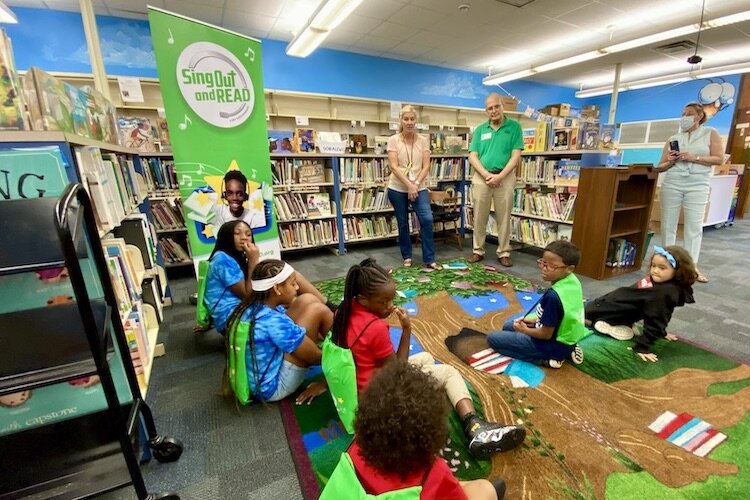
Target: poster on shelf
{"points": [[212, 83], [130, 88]]}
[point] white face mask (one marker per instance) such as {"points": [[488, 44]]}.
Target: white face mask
{"points": [[686, 122]]}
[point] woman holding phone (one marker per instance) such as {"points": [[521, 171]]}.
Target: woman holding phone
{"points": [[686, 160]]}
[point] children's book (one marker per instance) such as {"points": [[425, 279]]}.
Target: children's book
{"points": [[529, 139], [453, 144], [358, 143], [588, 136], [562, 139], [11, 105], [541, 137], [137, 133], [280, 141], [437, 142], [318, 204], [304, 138], [381, 144], [568, 172], [310, 172], [607, 136]]}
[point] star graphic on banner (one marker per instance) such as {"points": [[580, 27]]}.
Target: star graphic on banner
{"points": [[216, 182], [208, 231]]}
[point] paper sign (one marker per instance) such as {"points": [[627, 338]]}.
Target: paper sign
{"points": [[130, 89], [361, 123], [392, 125], [301, 120], [395, 109]]}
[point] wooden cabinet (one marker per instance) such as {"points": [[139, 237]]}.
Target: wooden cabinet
{"points": [[612, 204]]}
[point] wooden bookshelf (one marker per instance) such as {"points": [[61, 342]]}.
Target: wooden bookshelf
{"points": [[612, 203]]}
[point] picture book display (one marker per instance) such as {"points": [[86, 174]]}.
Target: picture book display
{"points": [[310, 172], [280, 141], [358, 143], [318, 204], [137, 133], [11, 103], [607, 136], [304, 139], [588, 135], [529, 139], [437, 142]]}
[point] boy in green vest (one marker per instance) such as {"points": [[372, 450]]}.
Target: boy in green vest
{"points": [[548, 335]]}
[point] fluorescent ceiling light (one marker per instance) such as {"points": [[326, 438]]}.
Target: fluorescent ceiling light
{"points": [[497, 79], [667, 79], [6, 15], [619, 47], [325, 18], [586, 56]]}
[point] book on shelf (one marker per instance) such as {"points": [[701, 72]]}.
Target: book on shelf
{"points": [[310, 172], [364, 199], [453, 144], [551, 204], [445, 169], [437, 142], [565, 232], [162, 132], [363, 170], [304, 140], [533, 232], [137, 133], [357, 143], [318, 204], [160, 173], [173, 251], [564, 138], [308, 233], [536, 170], [168, 214], [280, 141], [380, 143], [290, 206], [529, 139], [621, 253], [607, 133], [541, 142], [568, 172], [588, 135]]}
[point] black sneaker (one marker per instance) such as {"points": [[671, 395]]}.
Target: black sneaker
{"points": [[499, 486], [486, 438], [577, 355]]}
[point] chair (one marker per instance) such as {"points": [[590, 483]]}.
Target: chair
{"points": [[446, 214]]}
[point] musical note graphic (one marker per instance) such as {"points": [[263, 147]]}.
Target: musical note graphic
{"points": [[250, 53], [186, 180], [170, 40], [187, 121], [255, 173], [200, 169]]}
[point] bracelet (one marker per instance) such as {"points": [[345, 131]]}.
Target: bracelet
{"points": [[698, 159]]}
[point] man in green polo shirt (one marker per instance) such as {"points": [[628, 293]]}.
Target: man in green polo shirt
{"points": [[494, 153]]}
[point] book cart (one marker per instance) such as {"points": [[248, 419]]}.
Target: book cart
{"points": [[80, 455]]}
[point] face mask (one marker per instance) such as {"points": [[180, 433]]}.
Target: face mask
{"points": [[686, 122]]}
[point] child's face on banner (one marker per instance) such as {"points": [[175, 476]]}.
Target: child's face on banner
{"points": [[236, 194]]}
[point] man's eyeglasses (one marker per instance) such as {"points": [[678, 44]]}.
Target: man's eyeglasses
{"points": [[546, 265]]}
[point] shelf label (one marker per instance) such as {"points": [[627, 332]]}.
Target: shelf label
{"points": [[395, 109], [301, 120], [392, 125]]}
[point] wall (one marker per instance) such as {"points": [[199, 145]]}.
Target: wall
{"points": [[55, 41]]}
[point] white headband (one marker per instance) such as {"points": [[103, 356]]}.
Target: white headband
{"points": [[268, 283]]}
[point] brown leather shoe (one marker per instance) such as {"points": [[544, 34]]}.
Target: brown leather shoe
{"points": [[505, 261], [475, 257]]}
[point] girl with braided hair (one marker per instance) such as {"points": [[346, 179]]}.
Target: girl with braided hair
{"points": [[272, 335]]}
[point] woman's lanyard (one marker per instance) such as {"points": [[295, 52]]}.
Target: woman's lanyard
{"points": [[409, 156]]}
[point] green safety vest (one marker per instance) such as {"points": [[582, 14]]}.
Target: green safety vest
{"points": [[571, 328], [341, 376], [344, 484]]}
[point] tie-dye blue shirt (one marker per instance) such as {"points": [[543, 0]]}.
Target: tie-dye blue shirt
{"points": [[223, 272], [275, 333]]}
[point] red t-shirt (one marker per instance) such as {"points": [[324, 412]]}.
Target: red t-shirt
{"points": [[438, 485], [373, 347]]}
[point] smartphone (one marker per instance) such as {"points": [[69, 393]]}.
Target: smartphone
{"points": [[674, 146]]}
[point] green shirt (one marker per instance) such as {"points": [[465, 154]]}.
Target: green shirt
{"points": [[494, 147]]}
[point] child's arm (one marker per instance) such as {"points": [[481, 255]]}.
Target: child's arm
{"points": [[544, 332], [312, 391], [404, 344]]}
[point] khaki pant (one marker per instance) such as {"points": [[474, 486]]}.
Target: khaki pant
{"points": [[482, 196], [447, 375]]}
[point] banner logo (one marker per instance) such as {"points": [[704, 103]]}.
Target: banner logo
{"points": [[215, 84]]}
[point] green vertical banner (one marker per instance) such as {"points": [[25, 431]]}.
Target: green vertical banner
{"points": [[212, 84]]}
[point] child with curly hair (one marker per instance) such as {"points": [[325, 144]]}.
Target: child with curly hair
{"points": [[653, 299], [397, 441], [359, 325]]}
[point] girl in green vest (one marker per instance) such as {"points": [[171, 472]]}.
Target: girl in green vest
{"points": [[551, 337]]}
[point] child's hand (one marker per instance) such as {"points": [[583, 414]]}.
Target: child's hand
{"points": [[403, 318], [252, 252], [519, 325], [671, 337], [311, 392], [648, 356]]}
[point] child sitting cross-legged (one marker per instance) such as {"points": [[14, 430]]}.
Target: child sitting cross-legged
{"points": [[359, 325], [400, 427], [553, 336], [272, 335], [653, 299]]}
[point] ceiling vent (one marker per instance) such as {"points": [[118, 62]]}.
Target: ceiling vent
{"points": [[516, 3], [674, 48]]}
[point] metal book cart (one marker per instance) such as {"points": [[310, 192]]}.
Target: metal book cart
{"points": [[82, 455]]}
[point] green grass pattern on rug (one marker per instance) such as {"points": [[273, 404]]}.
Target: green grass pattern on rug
{"points": [[610, 360], [320, 416], [735, 450], [728, 387]]}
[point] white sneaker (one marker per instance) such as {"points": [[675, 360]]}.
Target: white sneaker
{"points": [[619, 332], [555, 363], [577, 355]]}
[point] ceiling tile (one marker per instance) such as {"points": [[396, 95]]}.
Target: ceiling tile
{"points": [[298, 11], [206, 13], [255, 24], [417, 17], [375, 43], [358, 23], [128, 14], [129, 5], [263, 7], [555, 8], [341, 36], [35, 4], [380, 9], [409, 49], [386, 29]]}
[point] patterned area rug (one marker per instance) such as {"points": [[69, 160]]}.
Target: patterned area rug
{"points": [[614, 427]]}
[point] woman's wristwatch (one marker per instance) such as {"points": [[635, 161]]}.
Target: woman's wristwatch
{"points": [[698, 159]]}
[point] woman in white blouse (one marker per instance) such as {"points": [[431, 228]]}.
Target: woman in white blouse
{"points": [[686, 181], [409, 159]]}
